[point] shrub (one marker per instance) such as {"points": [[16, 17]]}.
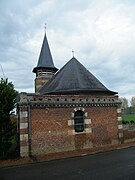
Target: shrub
{"points": [[124, 122]]}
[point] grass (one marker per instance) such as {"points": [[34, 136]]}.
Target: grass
{"points": [[128, 118]]}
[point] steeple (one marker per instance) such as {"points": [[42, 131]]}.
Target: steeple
{"points": [[45, 68]]}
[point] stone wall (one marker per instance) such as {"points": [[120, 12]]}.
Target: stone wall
{"points": [[129, 133]]}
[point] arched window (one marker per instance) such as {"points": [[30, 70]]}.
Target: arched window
{"points": [[79, 121]]}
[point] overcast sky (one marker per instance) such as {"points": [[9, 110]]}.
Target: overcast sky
{"points": [[101, 32]]}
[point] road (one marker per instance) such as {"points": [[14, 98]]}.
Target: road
{"points": [[112, 165]]}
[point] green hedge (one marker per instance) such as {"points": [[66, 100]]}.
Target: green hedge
{"points": [[129, 118]]}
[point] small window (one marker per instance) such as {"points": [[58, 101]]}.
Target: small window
{"points": [[79, 121]]}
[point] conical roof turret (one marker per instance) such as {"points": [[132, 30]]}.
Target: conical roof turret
{"points": [[45, 58]]}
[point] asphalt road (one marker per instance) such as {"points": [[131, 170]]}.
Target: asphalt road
{"points": [[113, 165]]}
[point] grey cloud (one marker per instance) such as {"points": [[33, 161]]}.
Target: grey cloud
{"points": [[78, 25]]}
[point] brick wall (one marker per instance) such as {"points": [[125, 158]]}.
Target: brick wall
{"points": [[50, 131], [47, 123]]}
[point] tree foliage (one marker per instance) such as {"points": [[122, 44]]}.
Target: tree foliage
{"points": [[124, 102], [132, 108], [8, 97], [132, 101]]}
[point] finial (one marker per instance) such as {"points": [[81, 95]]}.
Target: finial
{"points": [[45, 27], [73, 53]]}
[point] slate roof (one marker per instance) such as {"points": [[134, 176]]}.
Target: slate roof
{"points": [[45, 59], [74, 78]]}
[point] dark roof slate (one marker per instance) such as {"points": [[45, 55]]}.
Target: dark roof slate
{"points": [[73, 77], [45, 58]]}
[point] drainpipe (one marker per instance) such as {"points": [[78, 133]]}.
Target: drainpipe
{"points": [[18, 130], [29, 129]]}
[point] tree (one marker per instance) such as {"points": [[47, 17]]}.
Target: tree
{"points": [[124, 104], [8, 98], [132, 104], [132, 101]]}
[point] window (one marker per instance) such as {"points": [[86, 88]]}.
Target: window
{"points": [[79, 121]]}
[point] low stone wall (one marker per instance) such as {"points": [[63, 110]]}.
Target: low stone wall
{"points": [[129, 127], [129, 133]]}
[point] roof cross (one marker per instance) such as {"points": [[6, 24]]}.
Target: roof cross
{"points": [[73, 53]]}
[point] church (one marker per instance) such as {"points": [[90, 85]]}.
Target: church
{"points": [[70, 113]]}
